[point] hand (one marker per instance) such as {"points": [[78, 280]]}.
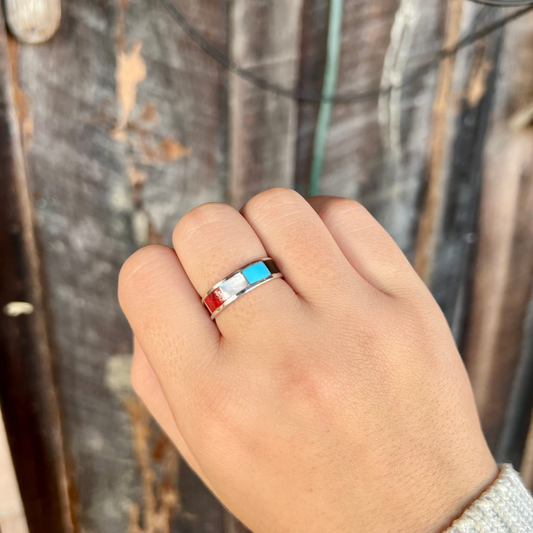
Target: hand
{"points": [[331, 400]]}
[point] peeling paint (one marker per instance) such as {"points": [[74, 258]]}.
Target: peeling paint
{"points": [[150, 114], [136, 177], [157, 457], [117, 374], [161, 497], [478, 84], [141, 227], [120, 198], [166, 151], [130, 71]]}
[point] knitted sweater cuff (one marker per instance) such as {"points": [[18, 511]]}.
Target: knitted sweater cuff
{"points": [[505, 507]]}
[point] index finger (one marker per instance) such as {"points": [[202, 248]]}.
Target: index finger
{"points": [[167, 315]]}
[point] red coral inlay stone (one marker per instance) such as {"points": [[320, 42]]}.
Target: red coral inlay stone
{"points": [[214, 300]]}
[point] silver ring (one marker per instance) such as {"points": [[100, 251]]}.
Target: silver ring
{"points": [[238, 283]]}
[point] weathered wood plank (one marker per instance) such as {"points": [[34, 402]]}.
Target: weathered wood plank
{"points": [[358, 160], [504, 264], [432, 211], [446, 257], [138, 115], [27, 393], [313, 47], [513, 445], [265, 37], [128, 124]]}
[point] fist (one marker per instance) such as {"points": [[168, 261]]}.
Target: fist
{"points": [[333, 399]]}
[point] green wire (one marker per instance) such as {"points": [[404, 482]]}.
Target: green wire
{"points": [[329, 88]]}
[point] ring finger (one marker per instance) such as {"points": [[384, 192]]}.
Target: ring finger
{"points": [[214, 240]]}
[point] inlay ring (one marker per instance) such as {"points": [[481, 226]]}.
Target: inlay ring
{"points": [[239, 283]]}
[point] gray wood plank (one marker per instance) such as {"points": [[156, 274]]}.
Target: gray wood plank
{"points": [[265, 37], [313, 47], [27, 394]]}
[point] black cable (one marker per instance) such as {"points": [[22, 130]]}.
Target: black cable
{"points": [[346, 98], [503, 3]]}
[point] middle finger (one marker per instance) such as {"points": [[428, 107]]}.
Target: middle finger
{"points": [[214, 240]]}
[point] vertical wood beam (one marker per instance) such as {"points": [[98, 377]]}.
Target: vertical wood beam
{"points": [[264, 37], [432, 211], [27, 391], [310, 78], [454, 242], [503, 271]]}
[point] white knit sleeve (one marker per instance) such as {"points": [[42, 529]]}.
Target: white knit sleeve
{"points": [[505, 507]]}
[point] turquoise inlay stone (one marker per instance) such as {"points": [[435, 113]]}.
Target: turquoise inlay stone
{"points": [[256, 272]]}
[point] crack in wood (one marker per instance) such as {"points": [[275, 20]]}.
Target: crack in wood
{"points": [[432, 211]]}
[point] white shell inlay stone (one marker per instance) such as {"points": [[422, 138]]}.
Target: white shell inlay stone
{"points": [[234, 285]]}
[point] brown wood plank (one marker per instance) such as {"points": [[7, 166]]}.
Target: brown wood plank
{"points": [[432, 212], [453, 205], [27, 392], [129, 133], [504, 266], [265, 37]]}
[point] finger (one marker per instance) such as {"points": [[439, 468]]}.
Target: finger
{"points": [[295, 236], [168, 318], [147, 386], [214, 240], [366, 245]]}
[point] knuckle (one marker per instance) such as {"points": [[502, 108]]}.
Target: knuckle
{"points": [[140, 268], [337, 210], [216, 403], [308, 386], [200, 218], [272, 200]]}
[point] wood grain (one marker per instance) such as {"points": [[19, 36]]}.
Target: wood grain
{"points": [[357, 161], [265, 37], [432, 211], [137, 114], [451, 247], [313, 45], [504, 264], [27, 392], [124, 124]]}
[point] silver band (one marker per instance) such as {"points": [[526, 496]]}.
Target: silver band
{"points": [[238, 283]]}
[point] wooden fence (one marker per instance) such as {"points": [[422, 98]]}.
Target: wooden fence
{"points": [[121, 123]]}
